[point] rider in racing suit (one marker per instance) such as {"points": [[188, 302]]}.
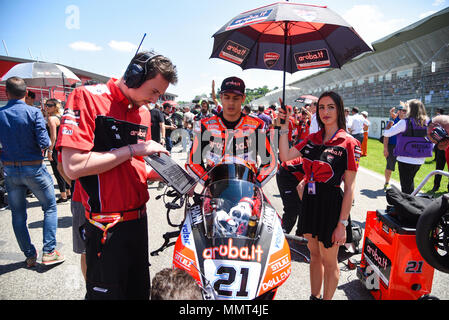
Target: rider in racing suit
{"points": [[231, 134]]}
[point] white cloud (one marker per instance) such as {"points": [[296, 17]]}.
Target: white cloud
{"points": [[123, 46], [84, 46], [370, 23], [437, 3]]}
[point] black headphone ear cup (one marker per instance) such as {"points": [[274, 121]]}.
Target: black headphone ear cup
{"points": [[134, 76]]}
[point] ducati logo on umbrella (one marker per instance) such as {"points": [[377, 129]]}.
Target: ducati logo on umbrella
{"points": [[270, 59]]}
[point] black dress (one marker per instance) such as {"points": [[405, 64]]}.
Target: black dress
{"points": [[326, 165]]}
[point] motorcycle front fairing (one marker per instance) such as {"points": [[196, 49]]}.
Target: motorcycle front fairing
{"points": [[236, 265]]}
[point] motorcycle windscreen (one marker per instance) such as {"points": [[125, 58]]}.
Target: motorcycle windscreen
{"points": [[230, 204]]}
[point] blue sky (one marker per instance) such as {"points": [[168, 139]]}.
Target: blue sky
{"points": [[101, 36]]}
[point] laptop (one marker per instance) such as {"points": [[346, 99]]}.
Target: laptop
{"points": [[173, 174]]}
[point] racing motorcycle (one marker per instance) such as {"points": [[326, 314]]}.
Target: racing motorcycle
{"points": [[231, 240]]}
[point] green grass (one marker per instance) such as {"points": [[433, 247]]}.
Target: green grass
{"points": [[376, 161]]}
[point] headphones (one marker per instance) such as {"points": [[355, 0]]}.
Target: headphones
{"points": [[135, 74]]}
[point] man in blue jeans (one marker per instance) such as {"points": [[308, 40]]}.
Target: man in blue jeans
{"points": [[24, 139]]}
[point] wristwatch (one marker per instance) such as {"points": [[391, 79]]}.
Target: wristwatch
{"points": [[344, 222]]}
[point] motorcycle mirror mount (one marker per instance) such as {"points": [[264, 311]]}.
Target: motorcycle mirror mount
{"points": [[208, 289]]}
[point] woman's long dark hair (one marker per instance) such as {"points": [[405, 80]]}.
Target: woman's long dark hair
{"points": [[341, 120]]}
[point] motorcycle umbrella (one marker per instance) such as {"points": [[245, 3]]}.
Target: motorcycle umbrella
{"points": [[289, 37], [307, 98], [42, 74]]}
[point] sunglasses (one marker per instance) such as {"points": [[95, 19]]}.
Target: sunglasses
{"points": [[50, 105]]}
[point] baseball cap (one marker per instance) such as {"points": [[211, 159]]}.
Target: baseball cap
{"points": [[365, 113], [233, 85]]}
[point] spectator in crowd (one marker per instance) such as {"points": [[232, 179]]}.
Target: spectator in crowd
{"points": [[348, 120], [196, 109], [304, 125], [113, 174], [296, 116], [204, 112], [246, 110], [30, 98], [265, 118], [174, 284], [440, 161], [357, 122], [178, 120], [325, 220], [314, 127], [271, 111], [178, 117], [411, 156], [366, 125], [53, 111], [390, 142], [157, 125], [24, 139], [169, 126], [189, 118]]}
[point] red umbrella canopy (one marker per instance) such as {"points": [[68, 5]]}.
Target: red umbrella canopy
{"points": [[288, 36], [171, 102]]}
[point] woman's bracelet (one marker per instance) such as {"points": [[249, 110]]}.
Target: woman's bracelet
{"points": [[283, 131], [131, 151]]}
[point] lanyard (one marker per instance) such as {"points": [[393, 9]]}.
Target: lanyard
{"points": [[335, 133]]}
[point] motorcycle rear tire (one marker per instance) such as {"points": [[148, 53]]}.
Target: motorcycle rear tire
{"points": [[426, 227]]}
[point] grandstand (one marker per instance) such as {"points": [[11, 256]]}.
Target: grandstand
{"points": [[410, 63]]}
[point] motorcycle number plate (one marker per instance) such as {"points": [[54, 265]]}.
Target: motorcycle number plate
{"points": [[233, 279]]}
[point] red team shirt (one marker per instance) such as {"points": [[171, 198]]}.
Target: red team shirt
{"points": [[124, 187], [330, 161]]}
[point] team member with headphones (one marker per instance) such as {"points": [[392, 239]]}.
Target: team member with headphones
{"points": [[103, 136]]}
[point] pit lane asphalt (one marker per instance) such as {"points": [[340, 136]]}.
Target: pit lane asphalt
{"points": [[65, 281]]}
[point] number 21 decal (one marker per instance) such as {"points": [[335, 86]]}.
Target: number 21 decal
{"points": [[233, 281], [414, 266], [231, 272]]}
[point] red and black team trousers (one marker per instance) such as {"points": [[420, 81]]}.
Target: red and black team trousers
{"points": [[119, 268]]}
